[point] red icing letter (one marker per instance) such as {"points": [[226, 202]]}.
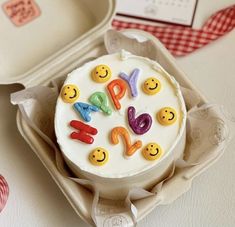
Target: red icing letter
{"points": [[122, 90], [84, 131]]}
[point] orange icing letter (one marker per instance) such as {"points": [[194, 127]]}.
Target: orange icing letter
{"points": [[122, 90]]}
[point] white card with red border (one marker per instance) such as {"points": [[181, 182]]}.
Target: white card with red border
{"points": [[167, 11]]}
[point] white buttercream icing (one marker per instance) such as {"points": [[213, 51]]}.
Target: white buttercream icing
{"points": [[118, 166]]}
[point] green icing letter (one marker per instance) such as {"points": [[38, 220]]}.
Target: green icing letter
{"points": [[100, 100]]}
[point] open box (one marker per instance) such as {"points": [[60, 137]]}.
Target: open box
{"points": [[64, 36]]}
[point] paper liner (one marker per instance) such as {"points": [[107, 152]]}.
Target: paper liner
{"points": [[207, 137]]}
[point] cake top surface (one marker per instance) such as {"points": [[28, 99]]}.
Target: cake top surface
{"points": [[119, 115]]}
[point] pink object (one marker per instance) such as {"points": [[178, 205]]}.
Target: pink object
{"points": [[21, 12], [180, 40], [4, 192]]}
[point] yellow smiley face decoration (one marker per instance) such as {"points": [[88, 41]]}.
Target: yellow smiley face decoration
{"points": [[152, 151], [99, 156], [167, 116], [101, 73], [69, 93], [151, 86]]}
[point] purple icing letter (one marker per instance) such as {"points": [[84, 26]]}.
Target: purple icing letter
{"points": [[132, 81], [141, 124]]}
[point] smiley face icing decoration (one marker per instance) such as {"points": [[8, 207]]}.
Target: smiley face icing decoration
{"points": [[167, 116], [101, 73], [111, 120], [151, 86], [99, 156], [152, 151], [69, 93]]}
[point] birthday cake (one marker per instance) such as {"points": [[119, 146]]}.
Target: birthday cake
{"points": [[120, 122]]}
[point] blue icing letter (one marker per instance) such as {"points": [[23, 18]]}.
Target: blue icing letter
{"points": [[132, 81], [100, 100], [85, 109]]}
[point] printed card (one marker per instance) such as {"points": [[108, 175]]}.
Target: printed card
{"points": [[167, 11]]}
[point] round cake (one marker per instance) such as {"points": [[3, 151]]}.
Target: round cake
{"points": [[120, 122]]}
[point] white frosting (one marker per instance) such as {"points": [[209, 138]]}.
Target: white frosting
{"points": [[118, 166]]}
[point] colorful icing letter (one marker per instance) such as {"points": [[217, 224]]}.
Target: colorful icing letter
{"points": [[84, 132], [100, 100], [151, 86], [141, 124], [152, 151], [101, 73], [69, 93], [132, 81], [99, 156], [121, 85], [85, 109], [130, 148], [167, 116]]}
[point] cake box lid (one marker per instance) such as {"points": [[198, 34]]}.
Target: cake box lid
{"points": [[40, 37]]}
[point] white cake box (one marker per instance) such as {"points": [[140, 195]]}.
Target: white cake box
{"points": [[64, 36]]}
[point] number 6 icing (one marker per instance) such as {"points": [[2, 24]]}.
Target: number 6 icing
{"points": [[121, 131], [141, 124]]}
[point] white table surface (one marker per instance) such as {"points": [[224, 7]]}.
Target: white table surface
{"points": [[35, 200]]}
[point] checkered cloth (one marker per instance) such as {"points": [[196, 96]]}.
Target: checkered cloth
{"points": [[4, 192], [181, 40]]}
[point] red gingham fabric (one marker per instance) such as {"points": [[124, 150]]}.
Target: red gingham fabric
{"points": [[4, 192], [181, 40]]}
